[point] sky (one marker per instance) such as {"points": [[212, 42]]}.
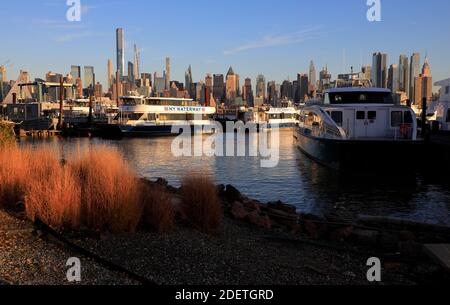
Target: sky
{"points": [[275, 38]]}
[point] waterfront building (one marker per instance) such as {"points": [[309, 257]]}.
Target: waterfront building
{"points": [[393, 78], [379, 70], [423, 85], [404, 75], [414, 72], [218, 87], [367, 72], [52, 92], [120, 51], [261, 87]]}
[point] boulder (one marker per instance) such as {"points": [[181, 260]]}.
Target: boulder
{"points": [[232, 194], [238, 211], [280, 206], [252, 205]]}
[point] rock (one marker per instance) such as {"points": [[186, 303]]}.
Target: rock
{"points": [[342, 234], [252, 205], [232, 194], [238, 211], [261, 221], [367, 237], [280, 206]]}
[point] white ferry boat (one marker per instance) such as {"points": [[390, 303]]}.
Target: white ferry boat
{"points": [[281, 118], [155, 116], [358, 127], [441, 109]]}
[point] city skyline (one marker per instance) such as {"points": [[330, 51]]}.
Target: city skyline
{"points": [[292, 44]]}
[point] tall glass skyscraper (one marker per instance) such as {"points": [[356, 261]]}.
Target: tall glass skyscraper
{"points": [[404, 75], [120, 43], [261, 86], [89, 78], [414, 72], [379, 70], [75, 72]]}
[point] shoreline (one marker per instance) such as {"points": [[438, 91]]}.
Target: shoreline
{"points": [[259, 243]]}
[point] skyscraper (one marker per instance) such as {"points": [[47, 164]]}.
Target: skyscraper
{"points": [[231, 86], [261, 86], [312, 77], [379, 70], [414, 72], [367, 72], [120, 45], [209, 83], [168, 73], [423, 85], [286, 90], [3, 73], [110, 74], [136, 63], [248, 92], [2, 80], [75, 72], [393, 78], [89, 79], [404, 75], [131, 72], [188, 78], [218, 87]]}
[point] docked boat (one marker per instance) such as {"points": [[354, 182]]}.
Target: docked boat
{"points": [[359, 128], [156, 116], [440, 110], [274, 118]]}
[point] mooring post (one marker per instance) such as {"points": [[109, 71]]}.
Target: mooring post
{"points": [[61, 103]]}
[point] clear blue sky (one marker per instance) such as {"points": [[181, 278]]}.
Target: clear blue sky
{"points": [[276, 38]]}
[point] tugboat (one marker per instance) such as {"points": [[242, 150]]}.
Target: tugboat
{"points": [[359, 128]]}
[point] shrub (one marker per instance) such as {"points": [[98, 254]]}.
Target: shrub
{"points": [[201, 203], [7, 136], [110, 191], [159, 213]]}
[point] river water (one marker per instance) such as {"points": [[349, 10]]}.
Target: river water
{"points": [[297, 180]]}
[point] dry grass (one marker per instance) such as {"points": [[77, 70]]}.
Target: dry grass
{"points": [[7, 136], [111, 193], [159, 213], [56, 201], [201, 203]]}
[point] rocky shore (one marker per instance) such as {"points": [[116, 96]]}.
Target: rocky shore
{"points": [[259, 244]]}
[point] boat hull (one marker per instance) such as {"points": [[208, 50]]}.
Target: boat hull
{"points": [[361, 155], [158, 130]]}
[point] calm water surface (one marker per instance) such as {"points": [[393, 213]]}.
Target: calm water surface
{"points": [[296, 180]]}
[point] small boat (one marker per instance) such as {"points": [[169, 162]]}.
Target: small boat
{"points": [[159, 116], [440, 110], [274, 118], [359, 128]]}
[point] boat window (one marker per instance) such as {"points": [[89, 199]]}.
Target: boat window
{"points": [[408, 119], [132, 116], [396, 118], [361, 97], [448, 116], [360, 115], [372, 115], [447, 90], [337, 117], [151, 116]]}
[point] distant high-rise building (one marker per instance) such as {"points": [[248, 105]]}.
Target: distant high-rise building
{"points": [[89, 79], [53, 92], [423, 85], [379, 70], [168, 76], [131, 72], [404, 75], [120, 49], [324, 81], [98, 90], [248, 92], [272, 93], [286, 90], [136, 63], [312, 77], [75, 72], [209, 82], [110, 74], [261, 86], [414, 72], [218, 87], [2, 80], [231, 88], [367, 72], [393, 78], [3, 72], [188, 79], [303, 84]]}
